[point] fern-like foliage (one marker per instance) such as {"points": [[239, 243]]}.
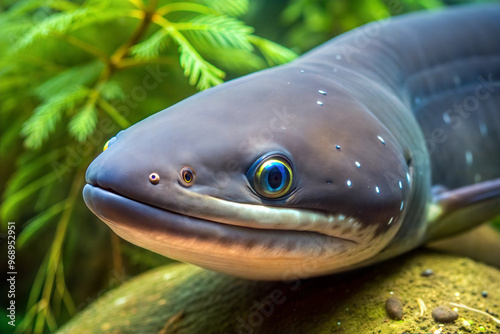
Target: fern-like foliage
{"points": [[153, 46], [68, 21], [229, 7], [218, 31], [206, 31], [72, 74], [84, 122], [25, 6], [47, 114], [272, 52], [65, 80], [111, 90], [198, 69]]}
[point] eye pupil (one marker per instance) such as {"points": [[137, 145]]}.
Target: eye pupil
{"points": [[275, 178]]}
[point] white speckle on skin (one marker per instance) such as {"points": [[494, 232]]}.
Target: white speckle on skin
{"points": [[341, 217], [446, 118], [483, 129], [390, 221], [377, 190], [319, 103], [381, 139], [338, 57], [335, 69], [349, 183], [301, 71], [400, 185], [357, 164], [469, 158], [322, 92], [408, 177]]}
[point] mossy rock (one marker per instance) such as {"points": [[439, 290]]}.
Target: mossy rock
{"points": [[185, 299]]}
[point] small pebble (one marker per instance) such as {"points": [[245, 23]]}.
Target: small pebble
{"points": [[484, 294], [444, 314], [427, 272], [394, 308]]}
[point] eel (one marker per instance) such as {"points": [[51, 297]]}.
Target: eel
{"points": [[368, 146]]}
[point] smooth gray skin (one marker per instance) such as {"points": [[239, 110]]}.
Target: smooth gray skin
{"points": [[402, 80]]}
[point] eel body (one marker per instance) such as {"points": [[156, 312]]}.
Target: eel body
{"points": [[366, 147]]}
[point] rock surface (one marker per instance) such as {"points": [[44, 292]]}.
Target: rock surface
{"points": [[185, 299]]}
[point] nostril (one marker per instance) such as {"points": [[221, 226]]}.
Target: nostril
{"points": [[408, 157], [154, 178]]}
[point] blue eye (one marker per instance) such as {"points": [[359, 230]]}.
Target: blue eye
{"points": [[271, 176]]}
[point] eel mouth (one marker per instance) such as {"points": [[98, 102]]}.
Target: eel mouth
{"points": [[247, 252], [123, 214]]}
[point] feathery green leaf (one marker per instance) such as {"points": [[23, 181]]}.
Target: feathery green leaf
{"points": [[46, 115], [218, 31], [111, 90], [201, 73], [84, 122], [65, 22], [237, 60], [273, 53], [77, 75], [22, 7], [153, 46], [230, 7]]}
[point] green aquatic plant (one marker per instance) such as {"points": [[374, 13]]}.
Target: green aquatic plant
{"points": [[73, 73]]}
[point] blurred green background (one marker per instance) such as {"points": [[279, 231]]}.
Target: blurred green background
{"points": [[74, 73]]}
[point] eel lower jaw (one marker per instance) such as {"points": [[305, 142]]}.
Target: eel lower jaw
{"points": [[250, 253], [98, 198]]}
